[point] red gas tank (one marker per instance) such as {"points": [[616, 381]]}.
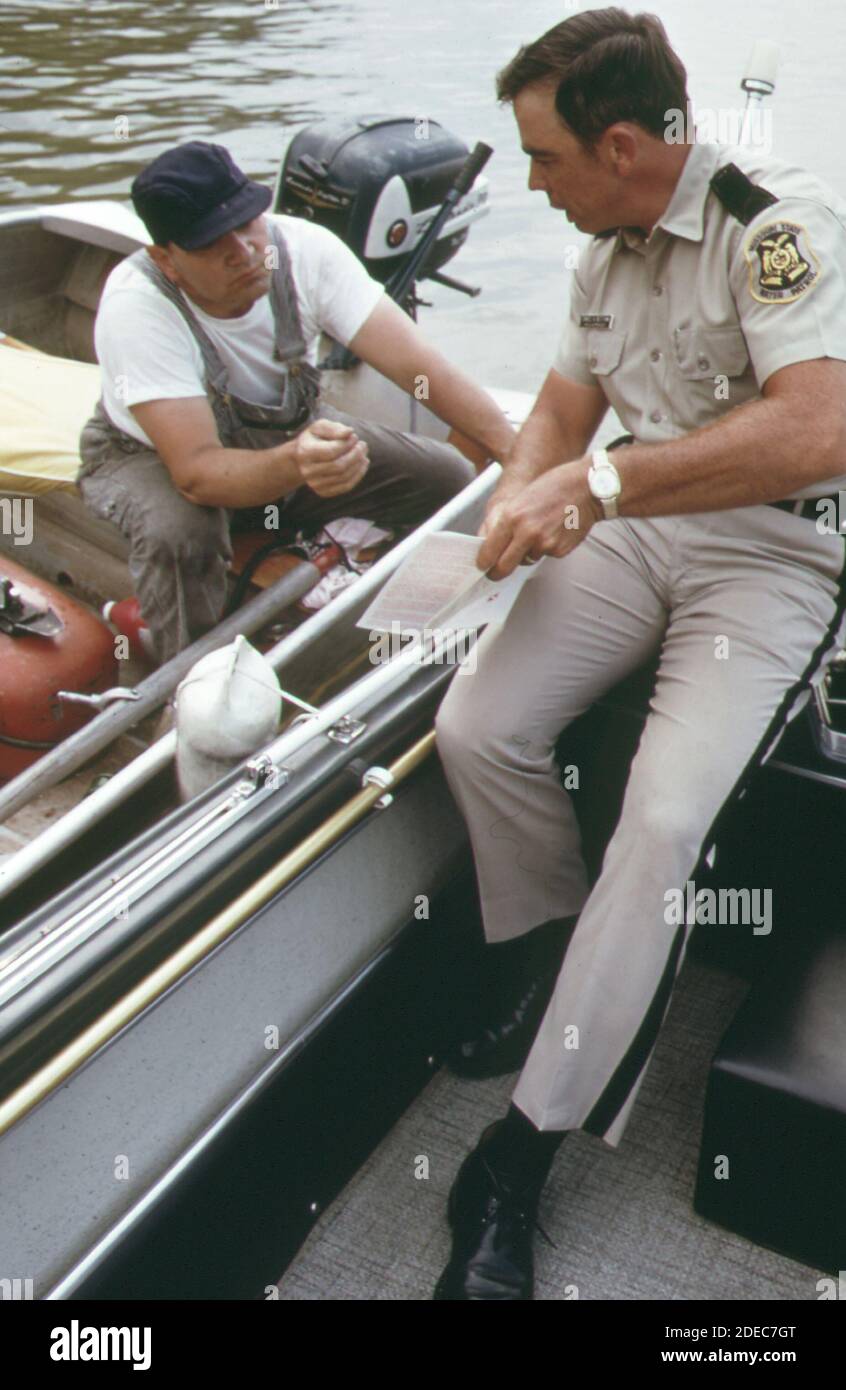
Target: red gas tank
{"points": [[40, 655]]}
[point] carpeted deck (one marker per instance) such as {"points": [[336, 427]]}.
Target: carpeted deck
{"points": [[622, 1220]]}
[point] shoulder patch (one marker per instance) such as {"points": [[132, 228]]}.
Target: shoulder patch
{"points": [[782, 265]]}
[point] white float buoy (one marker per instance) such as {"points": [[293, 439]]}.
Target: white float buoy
{"points": [[227, 707]]}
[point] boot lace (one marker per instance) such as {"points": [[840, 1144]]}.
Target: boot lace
{"points": [[519, 1203]]}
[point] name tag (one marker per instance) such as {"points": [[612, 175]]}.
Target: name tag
{"points": [[596, 321]]}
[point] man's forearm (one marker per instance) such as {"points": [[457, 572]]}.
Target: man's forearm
{"points": [[762, 451], [543, 442], [759, 452], [242, 477], [561, 425], [464, 405], [389, 341]]}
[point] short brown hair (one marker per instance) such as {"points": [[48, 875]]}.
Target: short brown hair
{"points": [[611, 66]]}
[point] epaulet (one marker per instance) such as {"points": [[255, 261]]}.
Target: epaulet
{"points": [[739, 195]]}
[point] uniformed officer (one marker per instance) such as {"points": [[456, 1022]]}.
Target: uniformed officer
{"points": [[710, 311]]}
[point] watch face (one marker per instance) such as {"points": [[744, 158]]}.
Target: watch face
{"points": [[605, 484]]}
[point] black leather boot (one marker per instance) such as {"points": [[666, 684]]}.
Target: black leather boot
{"points": [[492, 1211], [521, 995]]}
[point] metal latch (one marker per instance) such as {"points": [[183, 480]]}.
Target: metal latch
{"points": [[257, 773], [21, 619], [346, 729]]}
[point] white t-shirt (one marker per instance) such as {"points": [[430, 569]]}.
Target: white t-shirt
{"points": [[148, 353]]}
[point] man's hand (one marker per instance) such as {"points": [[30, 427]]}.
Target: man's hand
{"points": [[330, 458], [508, 489], [547, 517]]}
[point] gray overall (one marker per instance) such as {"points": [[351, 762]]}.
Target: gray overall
{"points": [[180, 550]]}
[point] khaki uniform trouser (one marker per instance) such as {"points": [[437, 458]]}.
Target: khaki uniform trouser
{"points": [[745, 603], [180, 551]]}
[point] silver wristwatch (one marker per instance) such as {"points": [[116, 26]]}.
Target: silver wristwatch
{"points": [[604, 482]]}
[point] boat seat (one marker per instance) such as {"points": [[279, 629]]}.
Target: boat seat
{"points": [[773, 1150], [81, 292], [44, 403]]}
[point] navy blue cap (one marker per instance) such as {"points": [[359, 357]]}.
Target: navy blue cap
{"points": [[195, 193]]}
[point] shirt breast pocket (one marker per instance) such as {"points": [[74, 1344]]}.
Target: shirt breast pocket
{"points": [[702, 354], [604, 350]]}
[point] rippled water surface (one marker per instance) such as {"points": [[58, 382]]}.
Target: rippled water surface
{"points": [[89, 92]]}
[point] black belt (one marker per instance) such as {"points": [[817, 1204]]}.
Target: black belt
{"points": [[800, 506], [806, 506]]}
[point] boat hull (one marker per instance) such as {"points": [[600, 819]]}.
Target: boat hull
{"points": [[147, 1111]]}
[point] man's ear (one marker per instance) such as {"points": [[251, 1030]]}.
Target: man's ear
{"points": [[621, 147], [161, 257]]}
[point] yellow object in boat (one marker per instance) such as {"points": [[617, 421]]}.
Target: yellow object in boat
{"points": [[44, 403]]}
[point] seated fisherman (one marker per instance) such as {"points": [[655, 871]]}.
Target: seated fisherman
{"points": [[207, 342]]}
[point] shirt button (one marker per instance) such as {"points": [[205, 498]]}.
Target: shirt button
{"points": [[592, 359], [657, 290], [655, 355], [703, 364], [656, 417]]}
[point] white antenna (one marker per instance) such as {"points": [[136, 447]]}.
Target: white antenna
{"points": [[758, 81]]}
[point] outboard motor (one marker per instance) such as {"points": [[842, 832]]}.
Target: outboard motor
{"points": [[378, 183]]}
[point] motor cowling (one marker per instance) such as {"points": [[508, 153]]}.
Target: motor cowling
{"points": [[377, 182]]}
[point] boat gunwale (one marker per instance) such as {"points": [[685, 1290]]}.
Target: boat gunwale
{"points": [[28, 945]]}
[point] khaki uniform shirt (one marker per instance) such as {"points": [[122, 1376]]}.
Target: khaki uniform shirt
{"points": [[681, 326]]}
